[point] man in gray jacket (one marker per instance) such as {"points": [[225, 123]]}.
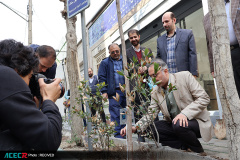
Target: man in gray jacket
{"points": [[177, 47]]}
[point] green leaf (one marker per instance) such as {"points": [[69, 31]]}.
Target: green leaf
{"points": [[156, 68], [158, 83], [135, 60], [154, 80], [120, 73], [146, 52], [150, 55]]}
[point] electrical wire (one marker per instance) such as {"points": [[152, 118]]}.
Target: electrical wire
{"points": [[44, 24]]}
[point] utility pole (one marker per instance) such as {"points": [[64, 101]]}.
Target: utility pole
{"points": [[29, 11], [30, 22]]}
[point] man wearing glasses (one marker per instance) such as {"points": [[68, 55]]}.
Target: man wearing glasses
{"points": [[185, 110], [108, 73], [47, 57]]}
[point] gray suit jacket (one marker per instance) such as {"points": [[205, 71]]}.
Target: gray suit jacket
{"points": [[192, 101], [185, 50], [131, 53]]}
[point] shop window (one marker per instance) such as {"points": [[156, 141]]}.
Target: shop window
{"points": [[152, 44]]}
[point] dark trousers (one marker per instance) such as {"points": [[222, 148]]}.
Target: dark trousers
{"points": [[114, 109], [179, 137], [235, 55]]}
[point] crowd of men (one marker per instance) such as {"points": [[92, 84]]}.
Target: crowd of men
{"points": [[185, 115], [184, 110]]}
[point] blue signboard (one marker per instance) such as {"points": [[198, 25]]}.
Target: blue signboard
{"points": [[109, 18], [76, 6]]}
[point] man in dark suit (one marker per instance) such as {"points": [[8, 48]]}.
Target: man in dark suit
{"points": [[177, 47], [233, 21], [136, 51]]}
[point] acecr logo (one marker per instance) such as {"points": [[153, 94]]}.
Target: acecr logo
{"points": [[16, 155]]}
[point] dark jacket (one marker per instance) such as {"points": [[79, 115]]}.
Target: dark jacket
{"points": [[185, 50], [93, 85], [106, 74], [130, 54], [22, 125]]}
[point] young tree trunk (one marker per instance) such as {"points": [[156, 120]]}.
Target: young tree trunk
{"points": [[224, 75], [127, 89], [73, 73]]}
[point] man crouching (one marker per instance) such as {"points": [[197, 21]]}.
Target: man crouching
{"points": [[185, 110]]}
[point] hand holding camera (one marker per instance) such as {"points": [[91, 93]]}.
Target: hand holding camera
{"points": [[50, 91], [46, 88]]}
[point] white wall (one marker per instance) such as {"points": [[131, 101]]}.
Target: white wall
{"points": [[59, 74], [205, 6]]}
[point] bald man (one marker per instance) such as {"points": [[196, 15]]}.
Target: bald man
{"points": [[177, 47]]}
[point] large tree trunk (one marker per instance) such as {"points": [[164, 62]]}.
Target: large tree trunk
{"points": [[73, 73], [224, 75], [129, 112]]}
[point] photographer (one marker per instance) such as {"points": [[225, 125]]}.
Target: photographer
{"points": [[22, 126]]}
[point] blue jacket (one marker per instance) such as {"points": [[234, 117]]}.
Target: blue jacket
{"points": [[106, 74]]}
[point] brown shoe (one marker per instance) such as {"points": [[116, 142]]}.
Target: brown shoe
{"points": [[202, 154]]}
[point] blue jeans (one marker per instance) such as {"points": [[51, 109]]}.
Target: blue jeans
{"points": [[114, 109]]}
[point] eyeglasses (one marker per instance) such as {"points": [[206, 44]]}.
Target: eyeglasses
{"points": [[117, 51], [154, 75]]}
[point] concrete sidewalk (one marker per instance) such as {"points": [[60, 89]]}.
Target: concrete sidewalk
{"points": [[216, 148]]}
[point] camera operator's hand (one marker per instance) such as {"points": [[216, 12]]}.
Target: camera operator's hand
{"points": [[50, 91]]}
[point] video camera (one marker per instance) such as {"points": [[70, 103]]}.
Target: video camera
{"points": [[34, 85]]}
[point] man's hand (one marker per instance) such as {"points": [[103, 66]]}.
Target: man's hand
{"points": [[142, 70], [105, 95], [123, 131], [182, 120], [50, 91]]}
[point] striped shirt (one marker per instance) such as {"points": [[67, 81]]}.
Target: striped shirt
{"points": [[171, 59]]}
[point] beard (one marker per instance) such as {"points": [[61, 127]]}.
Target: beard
{"points": [[90, 75], [135, 43], [168, 29]]}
